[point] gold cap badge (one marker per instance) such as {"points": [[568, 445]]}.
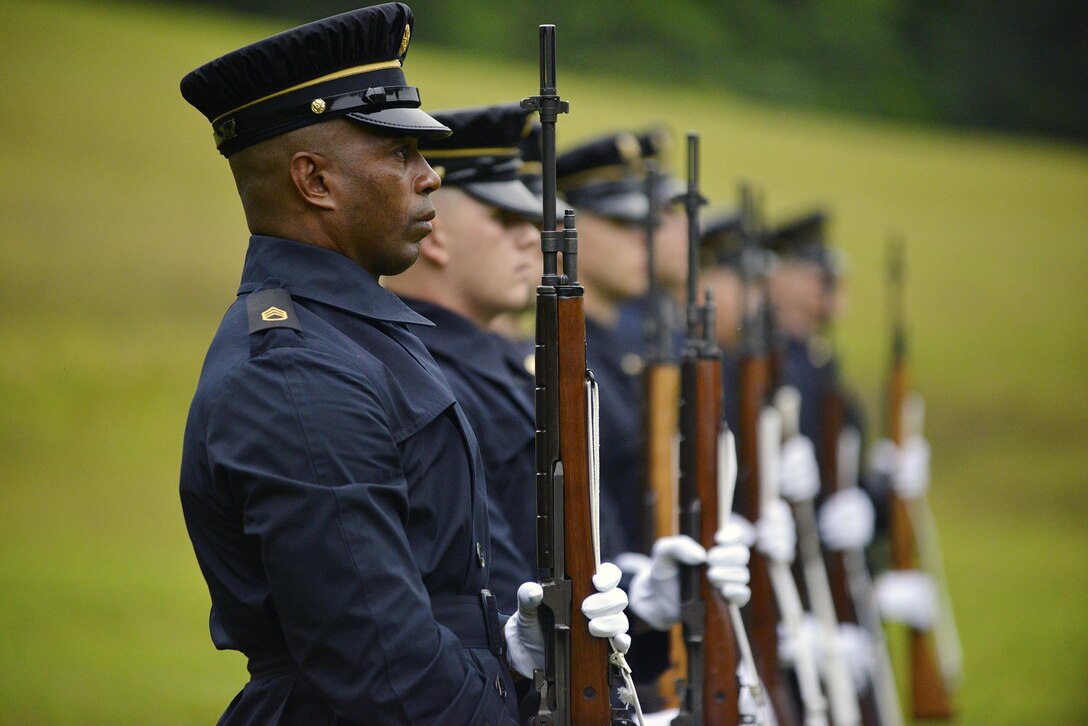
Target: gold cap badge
{"points": [[628, 147], [404, 40], [273, 313]]}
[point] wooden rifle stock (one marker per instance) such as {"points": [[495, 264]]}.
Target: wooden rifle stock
{"points": [[711, 691], [662, 395], [929, 696], [589, 668], [662, 412]]}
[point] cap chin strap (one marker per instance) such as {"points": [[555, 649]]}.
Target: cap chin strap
{"points": [[366, 100]]}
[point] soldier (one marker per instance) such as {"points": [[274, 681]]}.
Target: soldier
{"points": [[331, 484]]}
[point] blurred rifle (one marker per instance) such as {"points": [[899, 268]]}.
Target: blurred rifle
{"points": [[574, 684], [841, 694], [661, 381], [851, 585], [929, 682], [711, 690], [754, 374]]}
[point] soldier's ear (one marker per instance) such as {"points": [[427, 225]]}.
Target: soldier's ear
{"points": [[310, 176], [434, 249]]}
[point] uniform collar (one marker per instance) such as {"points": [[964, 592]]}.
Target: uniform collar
{"points": [[321, 275], [458, 338]]}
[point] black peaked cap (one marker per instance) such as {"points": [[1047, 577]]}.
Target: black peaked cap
{"points": [[531, 172], [805, 238], [721, 239], [606, 176], [348, 65], [483, 156]]}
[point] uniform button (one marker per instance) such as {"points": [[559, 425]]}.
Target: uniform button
{"points": [[480, 554], [500, 687]]}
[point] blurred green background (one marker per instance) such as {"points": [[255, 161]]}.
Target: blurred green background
{"points": [[122, 242]]}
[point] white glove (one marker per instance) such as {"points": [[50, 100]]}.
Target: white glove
{"points": [[856, 648], [776, 535], [907, 596], [605, 608], [805, 640], [727, 564], [655, 588], [907, 466], [524, 638], [798, 473], [912, 473], [846, 520], [883, 455]]}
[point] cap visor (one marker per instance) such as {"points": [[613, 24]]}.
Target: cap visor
{"points": [[510, 196], [409, 121], [630, 207]]}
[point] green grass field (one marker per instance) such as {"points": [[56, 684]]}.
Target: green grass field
{"points": [[122, 243]]}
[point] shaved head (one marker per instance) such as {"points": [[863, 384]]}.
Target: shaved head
{"points": [[262, 173]]}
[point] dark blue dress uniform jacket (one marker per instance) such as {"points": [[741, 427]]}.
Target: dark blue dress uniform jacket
{"points": [[334, 494], [489, 380]]}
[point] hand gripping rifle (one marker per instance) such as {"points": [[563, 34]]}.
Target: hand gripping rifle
{"points": [[928, 687], [574, 685], [851, 585], [710, 692], [661, 385]]}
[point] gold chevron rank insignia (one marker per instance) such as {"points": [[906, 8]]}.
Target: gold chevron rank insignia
{"points": [[273, 313]]}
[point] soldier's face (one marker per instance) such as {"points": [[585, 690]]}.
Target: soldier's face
{"points": [[671, 248], [799, 297], [728, 302], [384, 200], [494, 258], [611, 257]]}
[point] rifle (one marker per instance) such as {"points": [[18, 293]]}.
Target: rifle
{"points": [[841, 696], [754, 374], [574, 684], [710, 688], [851, 585], [929, 691], [661, 381]]}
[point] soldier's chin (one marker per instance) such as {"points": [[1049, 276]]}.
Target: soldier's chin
{"points": [[411, 254]]}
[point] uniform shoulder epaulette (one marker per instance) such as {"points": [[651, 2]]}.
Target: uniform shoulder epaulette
{"points": [[271, 308]]}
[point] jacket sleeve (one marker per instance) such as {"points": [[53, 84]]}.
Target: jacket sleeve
{"points": [[307, 451]]}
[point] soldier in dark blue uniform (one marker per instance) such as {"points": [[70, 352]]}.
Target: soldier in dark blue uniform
{"points": [[805, 291], [332, 486]]}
